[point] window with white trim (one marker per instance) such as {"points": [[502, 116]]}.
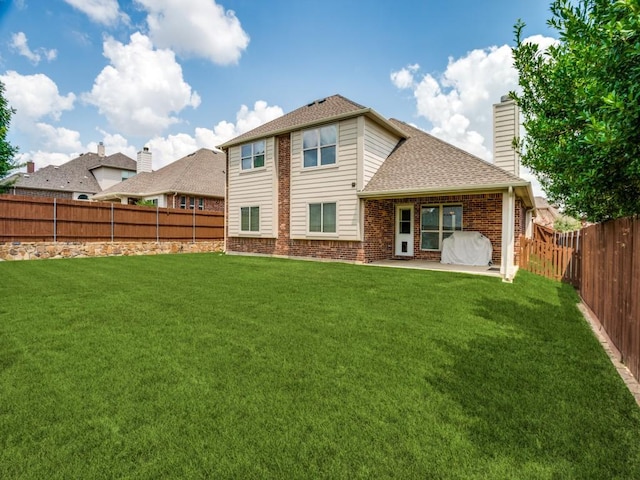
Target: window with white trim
{"points": [[250, 219], [438, 222], [319, 146], [252, 155], [322, 217]]}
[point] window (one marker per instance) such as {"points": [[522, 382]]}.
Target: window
{"points": [[183, 202], [319, 146], [192, 203], [252, 155], [250, 219], [82, 196], [322, 217], [438, 222], [127, 174], [201, 203]]}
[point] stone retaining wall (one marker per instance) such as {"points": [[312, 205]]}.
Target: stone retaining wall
{"points": [[43, 250]]}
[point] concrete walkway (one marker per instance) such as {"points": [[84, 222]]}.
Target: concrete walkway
{"points": [[431, 265]]}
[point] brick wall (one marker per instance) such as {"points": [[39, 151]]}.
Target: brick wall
{"points": [[283, 143], [481, 213], [41, 193]]}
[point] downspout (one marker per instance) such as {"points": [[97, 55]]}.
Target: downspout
{"points": [[175, 194]]}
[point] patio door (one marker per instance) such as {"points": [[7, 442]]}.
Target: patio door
{"points": [[404, 231]]}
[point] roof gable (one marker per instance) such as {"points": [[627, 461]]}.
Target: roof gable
{"points": [[323, 110], [423, 162], [74, 175]]}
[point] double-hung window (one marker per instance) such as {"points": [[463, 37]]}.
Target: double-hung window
{"points": [[319, 146], [438, 222], [252, 155], [322, 217], [250, 219]]}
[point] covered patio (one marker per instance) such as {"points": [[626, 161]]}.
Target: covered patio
{"points": [[490, 271]]}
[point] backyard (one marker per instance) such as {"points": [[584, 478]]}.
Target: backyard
{"points": [[214, 366]]}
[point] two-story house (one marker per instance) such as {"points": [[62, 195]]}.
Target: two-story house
{"points": [[77, 179], [336, 180]]}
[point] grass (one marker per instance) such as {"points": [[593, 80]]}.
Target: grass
{"points": [[212, 366]]}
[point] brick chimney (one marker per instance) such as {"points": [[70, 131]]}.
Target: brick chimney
{"points": [[101, 149], [31, 167], [506, 127], [144, 161]]}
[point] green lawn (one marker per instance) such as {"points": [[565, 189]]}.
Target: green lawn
{"points": [[213, 366]]}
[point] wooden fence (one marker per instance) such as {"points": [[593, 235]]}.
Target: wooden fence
{"points": [[610, 283], [604, 266], [39, 219]]}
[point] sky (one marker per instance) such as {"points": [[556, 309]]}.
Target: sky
{"points": [[179, 75]]}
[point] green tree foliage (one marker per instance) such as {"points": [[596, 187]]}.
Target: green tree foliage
{"points": [[7, 151], [581, 106]]}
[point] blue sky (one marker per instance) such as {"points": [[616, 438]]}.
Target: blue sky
{"points": [[177, 75]]}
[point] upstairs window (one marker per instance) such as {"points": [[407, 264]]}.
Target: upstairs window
{"points": [[252, 155], [319, 146]]}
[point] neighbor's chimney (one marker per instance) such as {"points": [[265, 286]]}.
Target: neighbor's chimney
{"points": [[506, 127], [31, 167], [101, 149], [144, 161]]}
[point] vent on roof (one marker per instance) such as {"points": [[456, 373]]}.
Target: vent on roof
{"points": [[317, 102]]}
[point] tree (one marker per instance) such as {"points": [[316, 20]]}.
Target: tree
{"points": [[580, 101], [7, 151]]}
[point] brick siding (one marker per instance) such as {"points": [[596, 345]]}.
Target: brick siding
{"points": [[41, 193], [481, 213]]}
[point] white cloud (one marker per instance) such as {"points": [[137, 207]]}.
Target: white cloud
{"points": [[199, 28], [105, 12], [404, 77], [34, 97], [58, 138], [20, 43], [459, 103], [142, 89], [44, 158]]}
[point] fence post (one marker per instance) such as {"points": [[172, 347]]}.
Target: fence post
{"points": [[112, 219], [194, 223], [55, 220], [157, 224]]}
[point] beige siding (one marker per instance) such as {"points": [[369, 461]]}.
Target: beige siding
{"points": [[253, 188], [107, 177], [327, 184], [378, 144], [506, 124]]}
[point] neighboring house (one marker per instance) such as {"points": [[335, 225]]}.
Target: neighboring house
{"points": [[77, 179], [196, 181], [336, 180]]}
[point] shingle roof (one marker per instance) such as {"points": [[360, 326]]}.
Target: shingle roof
{"points": [[423, 162], [75, 175], [199, 173], [321, 110]]}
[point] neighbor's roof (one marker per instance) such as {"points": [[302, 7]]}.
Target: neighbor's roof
{"points": [[424, 163], [199, 173], [74, 175], [327, 109]]}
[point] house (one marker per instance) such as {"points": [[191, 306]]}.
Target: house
{"points": [[77, 179], [196, 181], [336, 180]]}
